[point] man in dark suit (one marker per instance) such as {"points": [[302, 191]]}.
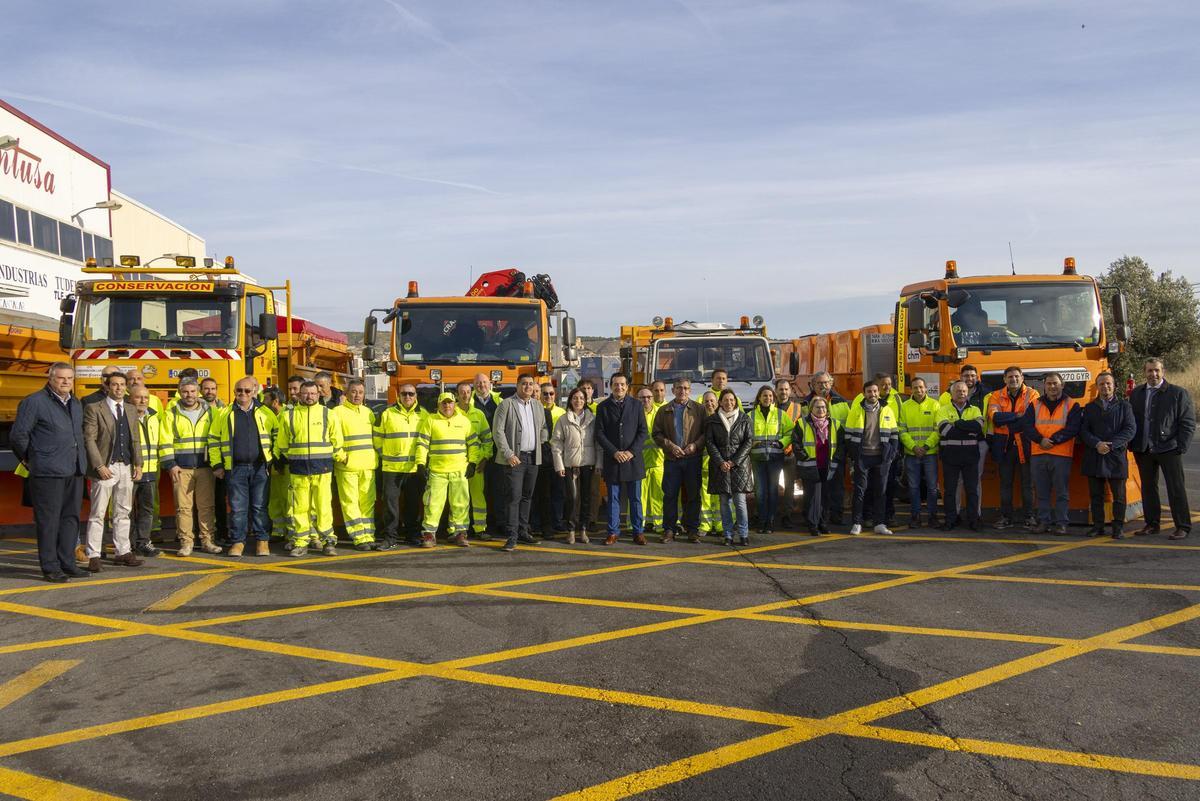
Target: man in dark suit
{"points": [[47, 437], [1165, 424], [621, 433], [113, 442]]}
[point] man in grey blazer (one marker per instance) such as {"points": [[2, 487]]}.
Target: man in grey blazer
{"points": [[114, 451], [518, 431], [47, 437]]}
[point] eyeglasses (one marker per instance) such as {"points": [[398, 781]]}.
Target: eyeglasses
{"points": [[407, 394], [244, 391], [645, 397], [547, 394]]}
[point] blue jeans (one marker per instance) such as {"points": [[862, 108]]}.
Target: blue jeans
{"points": [[766, 489], [632, 490], [1052, 474], [733, 515], [685, 474], [922, 468], [246, 488]]}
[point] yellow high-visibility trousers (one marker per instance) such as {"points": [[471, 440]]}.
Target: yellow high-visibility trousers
{"points": [[652, 498], [356, 493], [710, 505], [443, 487], [310, 507], [277, 502], [479, 505]]}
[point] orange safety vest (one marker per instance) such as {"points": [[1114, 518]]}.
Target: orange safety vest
{"points": [[1048, 424], [1000, 401]]}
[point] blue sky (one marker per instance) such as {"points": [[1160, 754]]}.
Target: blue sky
{"points": [[691, 158]]}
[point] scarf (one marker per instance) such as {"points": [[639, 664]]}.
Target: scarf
{"points": [[728, 418], [820, 427]]}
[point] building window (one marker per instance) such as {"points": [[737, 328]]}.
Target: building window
{"points": [[8, 222], [70, 241], [89, 246], [45, 233], [104, 251], [23, 235]]}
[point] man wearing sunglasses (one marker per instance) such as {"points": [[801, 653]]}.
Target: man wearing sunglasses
{"points": [[403, 477]]}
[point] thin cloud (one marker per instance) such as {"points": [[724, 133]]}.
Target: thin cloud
{"points": [[200, 136], [428, 31], [700, 19]]}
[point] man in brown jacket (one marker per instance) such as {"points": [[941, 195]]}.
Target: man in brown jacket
{"points": [[114, 453], [679, 431]]}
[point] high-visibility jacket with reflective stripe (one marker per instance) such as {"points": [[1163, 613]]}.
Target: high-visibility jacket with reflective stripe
{"points": [[804, 443], [180, 443], [220, 436], [357, 426], [480, 431], [893, 402], [772, 433], [307, 438], [652, 455], [957, 442], [918, 425], [889, 428], [1050, 423], [151, 433], [977, 398], [396, 438], [999, 402], [444, 443]]}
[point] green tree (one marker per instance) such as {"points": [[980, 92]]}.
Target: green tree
{"points": [[1164, 314]]}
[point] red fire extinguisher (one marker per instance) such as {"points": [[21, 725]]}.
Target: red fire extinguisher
{"points": [[1129, 384]]}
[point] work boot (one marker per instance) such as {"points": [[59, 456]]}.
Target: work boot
{"points": [[236, 549], [668, 536], [299, 550], [208, 546], [330, 549], [128, 560], [428, 540], [185, 548], [611, 539], [262, 548], [93, 564], [364, 546], [639, 539], [460, 540]]}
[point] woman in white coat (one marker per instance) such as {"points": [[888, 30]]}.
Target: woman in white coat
{"points": [[573, 447]]}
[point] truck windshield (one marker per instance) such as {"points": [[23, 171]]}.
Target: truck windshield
{"points": [[201, 321], [469, 333], [745, 358], [1042, 315]]}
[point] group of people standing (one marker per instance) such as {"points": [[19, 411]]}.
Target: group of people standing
{"points": [[480, 464]]}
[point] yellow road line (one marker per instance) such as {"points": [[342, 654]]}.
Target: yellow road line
{"points": [[30, 540], [191, 592], [969, 745], [302, 610], [1125, 585], [61, 641], [196, 712], [78, 585], [15, 689], [37, 788]]}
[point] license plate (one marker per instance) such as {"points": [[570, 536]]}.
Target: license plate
{"points": [[1075, 375]]}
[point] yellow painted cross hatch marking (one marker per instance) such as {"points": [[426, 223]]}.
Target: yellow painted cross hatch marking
{"points": [[37, 788], [16, 689], [189, 593]]}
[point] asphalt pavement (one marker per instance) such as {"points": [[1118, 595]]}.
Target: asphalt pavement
{"points": [[919, 666]]}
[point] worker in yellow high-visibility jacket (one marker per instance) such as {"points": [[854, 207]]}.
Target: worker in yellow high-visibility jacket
{"points": [[446, 446], [481, 430], [355, 472], [277, 494], [310, 443]]}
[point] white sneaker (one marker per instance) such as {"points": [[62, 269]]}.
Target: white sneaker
{"points": [[882, 529], [856, 529]]}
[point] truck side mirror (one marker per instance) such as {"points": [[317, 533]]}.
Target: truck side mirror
{"points": [[67, 305], [1120, 312], [368, 353], [65, 325], [268, 327], [794, 363], [370, 330], [918, 340], [567, 333]]}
